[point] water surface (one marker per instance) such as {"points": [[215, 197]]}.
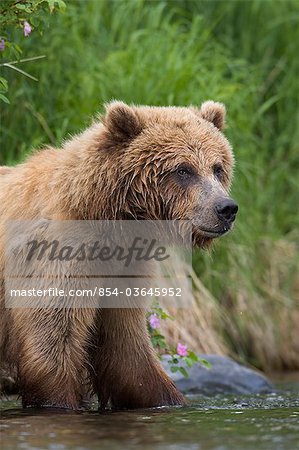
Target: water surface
{"points": [[220, 423]]}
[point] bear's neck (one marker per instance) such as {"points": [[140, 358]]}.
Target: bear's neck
{"points": [[86, 184]]}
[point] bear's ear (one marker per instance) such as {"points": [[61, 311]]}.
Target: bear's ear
{"points": [[213, 112], [122, 121]]}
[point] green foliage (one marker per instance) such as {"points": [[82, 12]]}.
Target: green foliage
{"points": [[157, 338], [178, 363], [16, 15], [183, 363], [243, 53]]}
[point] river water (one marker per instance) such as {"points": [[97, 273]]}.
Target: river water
{"points": [[259, 422]]}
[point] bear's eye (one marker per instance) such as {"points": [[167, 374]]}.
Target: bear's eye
{"points": [[218, 172], [184, 172]]}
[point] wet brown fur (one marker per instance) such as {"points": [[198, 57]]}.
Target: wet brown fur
{"points": [[121, 167]]}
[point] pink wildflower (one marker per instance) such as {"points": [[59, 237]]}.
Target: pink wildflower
{"points": [[2, 45], [154, 321], [27, 29], [182, 349]]}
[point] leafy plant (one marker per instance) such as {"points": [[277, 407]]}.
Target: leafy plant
{"points": [[181, 358], [25, 16]]}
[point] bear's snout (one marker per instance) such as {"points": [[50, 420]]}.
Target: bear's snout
{"points": [[226, 210]]}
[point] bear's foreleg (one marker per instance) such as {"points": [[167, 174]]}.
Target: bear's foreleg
{"points": [[127, 372], [50, 357]]}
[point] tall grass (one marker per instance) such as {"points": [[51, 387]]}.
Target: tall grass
{"points": [[243, 53]]}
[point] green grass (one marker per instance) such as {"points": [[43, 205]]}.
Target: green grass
{"points": [[243, 53]]}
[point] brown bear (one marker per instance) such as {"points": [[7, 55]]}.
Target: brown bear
{"points": [[136, 162]]}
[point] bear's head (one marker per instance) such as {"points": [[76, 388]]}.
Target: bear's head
{"points": [[171, 163]]}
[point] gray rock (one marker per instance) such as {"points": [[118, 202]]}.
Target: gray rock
{"points": [[225, 376]]}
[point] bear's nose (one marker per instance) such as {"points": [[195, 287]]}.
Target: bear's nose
{"points": [[226, 209]]}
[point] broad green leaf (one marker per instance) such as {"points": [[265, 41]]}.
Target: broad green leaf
{"points": [[4, 99]]}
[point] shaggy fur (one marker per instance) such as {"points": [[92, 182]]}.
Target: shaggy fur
{"points": [[133, 163]]}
